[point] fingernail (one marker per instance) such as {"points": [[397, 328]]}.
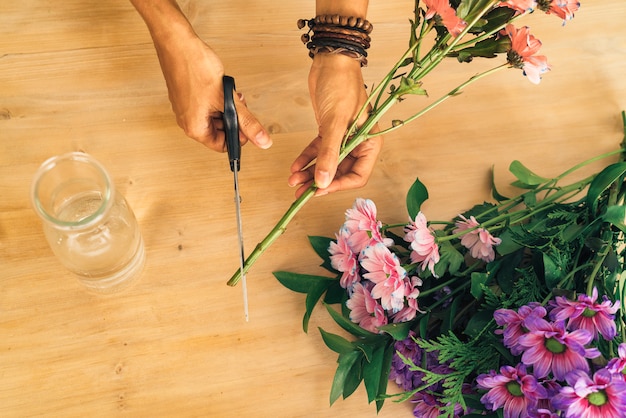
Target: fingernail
{"points": [[322, 179], [263, 140]]}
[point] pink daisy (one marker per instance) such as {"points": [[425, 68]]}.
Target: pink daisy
{"points": [[384, 270], [549, 347], [344, 260], [513, 389], [524, 46], [601, 397], [365, 310], [562, 8], [478, 240], [519, 5], [423, 243], [514, 324], [362, 225], [585, 313], [411, 292], [446, 15]]}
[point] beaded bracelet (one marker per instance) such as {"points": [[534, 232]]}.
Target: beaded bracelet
{"points": [[346, 35]]}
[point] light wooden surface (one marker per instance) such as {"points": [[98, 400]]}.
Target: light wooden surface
{"points": [[83, 75]]}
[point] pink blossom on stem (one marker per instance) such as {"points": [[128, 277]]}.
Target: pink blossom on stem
{"points": [[411, 292], [562, 8], [344, 260], [524, 46], [423, 243], [446, 14], [479, 241], [362, 225], [599, 397], [365, 310], [585, 313], [513, 389], [384, 270], [548, 347], [521, 6]]}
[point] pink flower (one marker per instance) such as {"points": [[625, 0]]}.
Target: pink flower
{"points": [[562, 8], [513, 389], [422, 239], [549, 347], [586, 314], [446, 14], [519, 5], [479, 241], [524, 46], [344, 260], [362, 225], [514, 323], [601, 397], [411, 292], [384, 270], [365, 310], [617, 366]]}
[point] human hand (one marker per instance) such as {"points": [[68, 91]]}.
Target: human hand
{"points": [[193, 73], [337, 93]]}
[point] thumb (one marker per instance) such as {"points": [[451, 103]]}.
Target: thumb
{"points": [[328, 155], [250, 127]]}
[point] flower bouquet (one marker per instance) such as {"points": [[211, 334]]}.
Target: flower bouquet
{"points": [[509, 309]]}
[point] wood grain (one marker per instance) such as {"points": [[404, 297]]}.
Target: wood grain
{"points": [[82, 75]]}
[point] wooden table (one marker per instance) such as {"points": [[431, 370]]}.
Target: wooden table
{"points": [[81, 75]]}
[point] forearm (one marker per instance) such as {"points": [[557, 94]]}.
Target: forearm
{"points": [[164, 19], [356, 8]]}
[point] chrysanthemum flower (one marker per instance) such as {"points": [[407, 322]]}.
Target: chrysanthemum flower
{"points": [[344, 260], [617, 365], [363, 227], [513, 389], [524, 46], [384, 270], [365, 310], [442, 10], [513, 323], [479, 241], [548, 347], [519, 5], [411, 292], [400, 373], [562, 8], [585, 313], [423, 244], [542, 413], [600, 397]]}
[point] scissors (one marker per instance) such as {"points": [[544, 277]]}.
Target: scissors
{"points": [[233, 147]]}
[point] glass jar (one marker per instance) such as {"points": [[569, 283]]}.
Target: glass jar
{"points": [[87, 223]]}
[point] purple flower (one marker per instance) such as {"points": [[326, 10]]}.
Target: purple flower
{"points": [[617, 366], [512, 389], [400, 373], [601, 397], [585, 313], [514, 324], [549, 347]]}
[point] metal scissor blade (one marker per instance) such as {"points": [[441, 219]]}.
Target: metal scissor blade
{"points": [[242, 256]]}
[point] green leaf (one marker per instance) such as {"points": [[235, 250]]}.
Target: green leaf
{"points": [[336, 342], [398, 331], [616, 215], [450, 259], [524, 175], [494, 192], [553, 269], [416, 195], [348, 325], [410, 86], [345, 363], [354, 378], [372, 371], [603, 181], [300, 283], [478, 280], [335, 294], [320, 246], [315, 293], [478, 322]]}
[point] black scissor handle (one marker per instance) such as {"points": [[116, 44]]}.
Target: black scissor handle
{"points": [[231, 124]]}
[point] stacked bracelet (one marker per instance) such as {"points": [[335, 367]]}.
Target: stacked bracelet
{"points": [[338, 35]]}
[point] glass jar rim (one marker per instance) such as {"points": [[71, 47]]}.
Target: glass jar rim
{"points": [[51, 163]]}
